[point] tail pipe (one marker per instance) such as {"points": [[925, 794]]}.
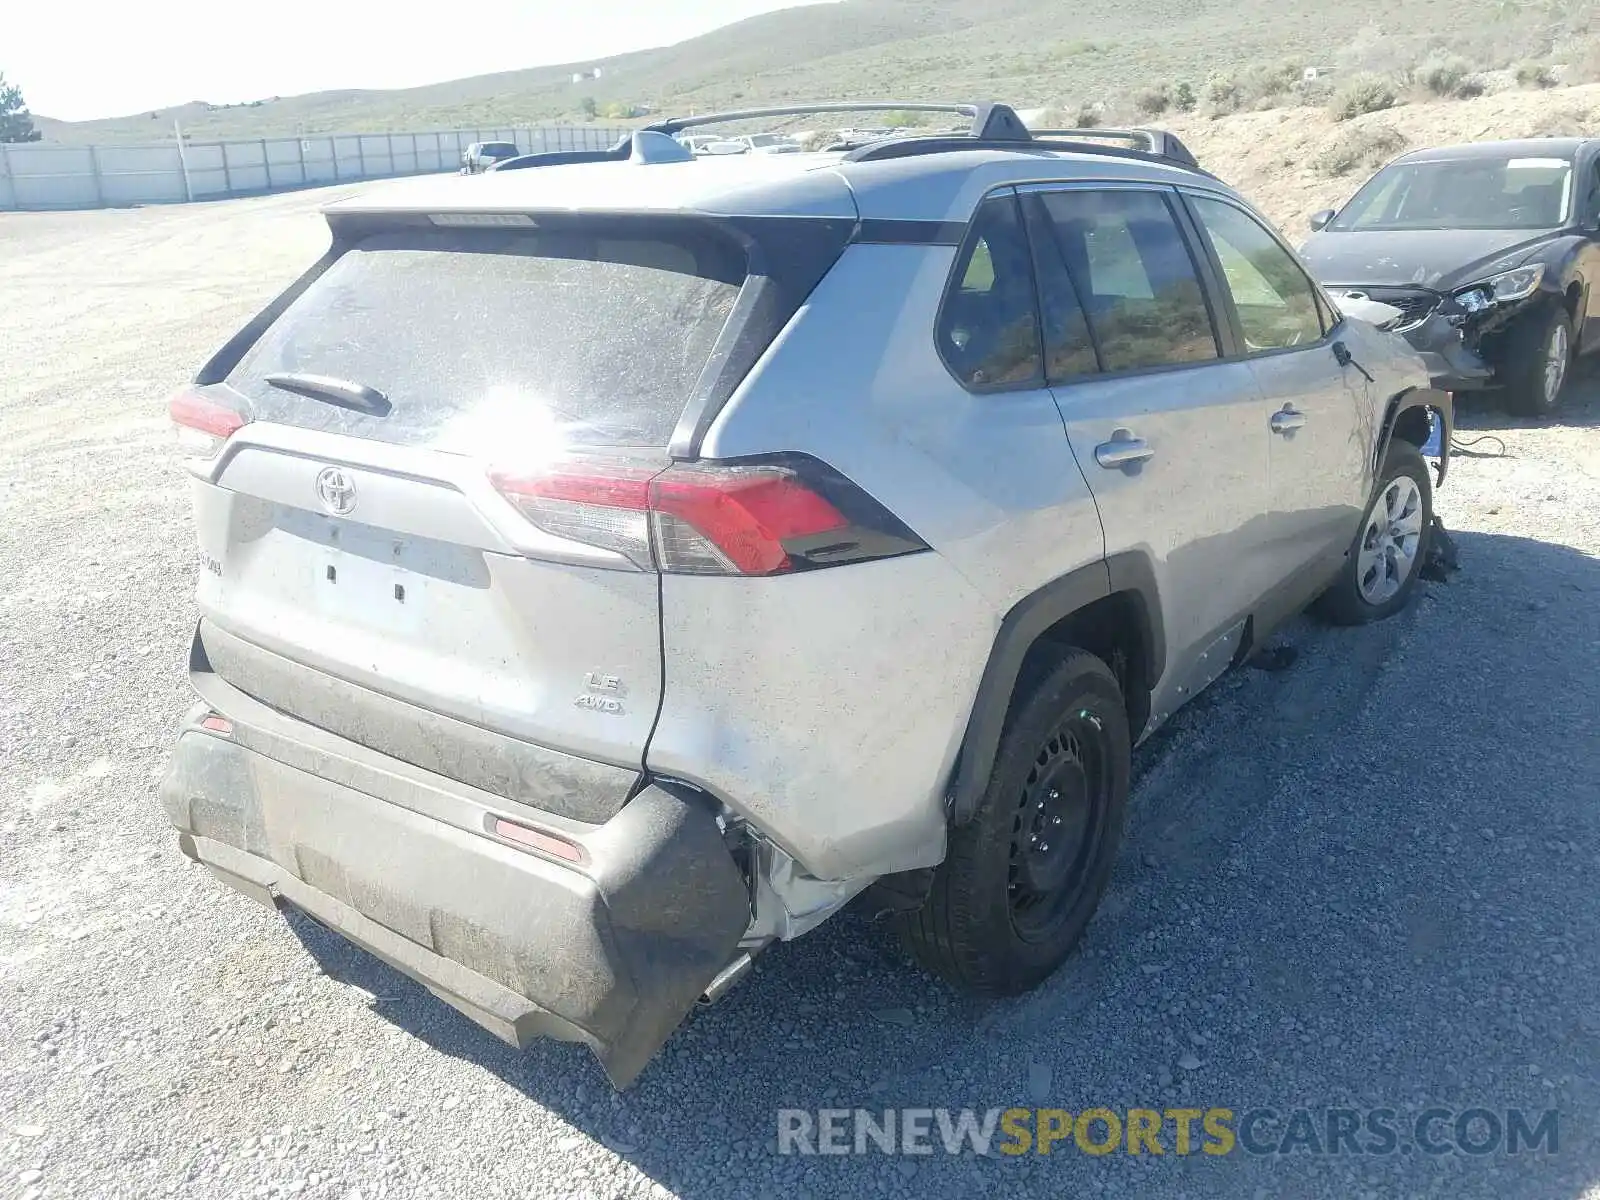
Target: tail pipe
{"points": [[722, 983]]}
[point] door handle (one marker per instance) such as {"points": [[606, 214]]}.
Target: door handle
{"points": [[1287, 420], [1122, 450]]}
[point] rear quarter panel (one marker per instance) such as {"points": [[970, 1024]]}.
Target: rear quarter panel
{"points": [[830, 706]]}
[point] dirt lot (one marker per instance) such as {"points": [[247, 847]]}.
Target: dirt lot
{"points": [[1367, 881]]}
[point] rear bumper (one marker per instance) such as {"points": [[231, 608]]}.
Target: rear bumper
{"points": [[611, 951]]}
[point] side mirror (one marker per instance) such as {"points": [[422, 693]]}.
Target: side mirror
{"points": [[1319, 221]]}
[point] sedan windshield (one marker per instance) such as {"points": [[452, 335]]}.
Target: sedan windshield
{"points": [[1463, 193]]}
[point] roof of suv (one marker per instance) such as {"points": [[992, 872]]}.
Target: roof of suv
{"points": [[937, 177], [1553, 147], [920, 187]]}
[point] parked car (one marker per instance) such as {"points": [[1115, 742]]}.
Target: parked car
{"points": [[770, 143], [616, 568], [480, 156], [714, 144], [1491, 249]]}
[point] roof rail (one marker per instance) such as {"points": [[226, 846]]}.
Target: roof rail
{"points": [[992, 126], [988, 119], [1157, 142], [1153, 145]]}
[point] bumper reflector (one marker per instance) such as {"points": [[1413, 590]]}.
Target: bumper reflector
{"points": [[536, 839]]}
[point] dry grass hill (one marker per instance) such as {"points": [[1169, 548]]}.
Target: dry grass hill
{"points": [[1108, 56]]}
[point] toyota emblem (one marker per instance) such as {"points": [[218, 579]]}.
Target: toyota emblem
{"points": [[336, 490]]}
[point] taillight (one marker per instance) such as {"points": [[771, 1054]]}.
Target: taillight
{"points": [[765, 518], [203, 424]]}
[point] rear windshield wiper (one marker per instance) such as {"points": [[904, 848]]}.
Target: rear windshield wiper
{"points": [[342, 392]]}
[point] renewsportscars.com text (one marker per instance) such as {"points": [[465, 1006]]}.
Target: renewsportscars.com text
{"points": [[1176, 1131]]}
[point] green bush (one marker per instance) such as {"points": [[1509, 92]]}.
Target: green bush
{"points": [[1183, 97], [1535, 75], [1221, 92], [1471, 86], [1152, 101], [1363, 94], [1370, 145], [1442, 74], [1267, 85]]}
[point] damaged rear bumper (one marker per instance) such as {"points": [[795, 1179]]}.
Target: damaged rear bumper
{"points": [[611, 950]]}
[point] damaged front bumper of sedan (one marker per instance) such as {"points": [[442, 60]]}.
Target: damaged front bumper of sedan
{"points": [[1456, 332]]}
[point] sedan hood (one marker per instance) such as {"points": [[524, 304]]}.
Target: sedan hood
{"points": [[1439, 259]]}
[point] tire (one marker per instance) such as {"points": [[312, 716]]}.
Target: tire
{"points": [[1004, 910], [1538, 362], [1403, 495]]}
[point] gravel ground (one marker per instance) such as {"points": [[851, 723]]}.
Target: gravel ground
{"points": [[1366, 880]]}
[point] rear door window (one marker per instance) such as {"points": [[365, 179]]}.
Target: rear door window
{"points": [[1134, 277], [484, 340]]}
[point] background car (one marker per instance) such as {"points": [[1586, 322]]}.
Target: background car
{"points": [[1491, 250], [480, 156]]}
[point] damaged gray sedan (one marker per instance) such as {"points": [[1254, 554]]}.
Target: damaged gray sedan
{"points": [[1491, 254]]}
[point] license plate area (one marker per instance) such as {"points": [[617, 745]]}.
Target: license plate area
{"points": [[371, 579]]}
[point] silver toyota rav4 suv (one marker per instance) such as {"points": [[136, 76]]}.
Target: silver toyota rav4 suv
{"points": [[619, 563]]}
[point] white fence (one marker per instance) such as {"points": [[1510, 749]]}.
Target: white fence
{"points": [[41, 175]]}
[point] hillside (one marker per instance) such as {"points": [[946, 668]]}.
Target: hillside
{"points": [[1280, 159], [1029, 52]]}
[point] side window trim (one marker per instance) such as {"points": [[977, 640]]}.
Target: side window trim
{"points": [[1325, 306], [958, 268], [1222, 319]]}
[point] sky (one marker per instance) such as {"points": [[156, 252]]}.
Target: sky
{"points": [[78, 59]]}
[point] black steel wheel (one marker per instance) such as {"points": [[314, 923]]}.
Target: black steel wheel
{"points": [[1022, 878]]}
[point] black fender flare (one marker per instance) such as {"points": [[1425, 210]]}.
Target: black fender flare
{"points": [[1021, 628], [1442, 402]]}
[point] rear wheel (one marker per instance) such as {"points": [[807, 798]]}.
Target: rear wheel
{"points": [[1538, 361], [1024, 875], [1384, 562]]}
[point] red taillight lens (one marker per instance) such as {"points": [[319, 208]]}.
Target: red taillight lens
{"points": [[203, 424], [738, 520], [709, 518]]}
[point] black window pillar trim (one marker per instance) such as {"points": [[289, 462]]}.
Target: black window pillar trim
{"points": [[1040, 229]]}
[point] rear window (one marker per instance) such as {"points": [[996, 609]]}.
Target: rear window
{"points": [[485, 340]]}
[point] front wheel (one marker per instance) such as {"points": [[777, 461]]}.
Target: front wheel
{"points": [[1022, 878], [1538, 361], [1385, 560]]}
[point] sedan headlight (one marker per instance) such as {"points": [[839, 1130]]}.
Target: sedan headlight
{"points": [[1501, 289]]}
